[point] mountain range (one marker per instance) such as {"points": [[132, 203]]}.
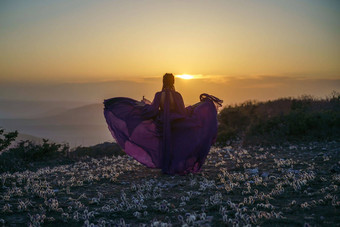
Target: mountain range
{"points": [[80, 126]]}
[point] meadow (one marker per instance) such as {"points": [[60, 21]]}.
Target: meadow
{"points": [[290, 185]]}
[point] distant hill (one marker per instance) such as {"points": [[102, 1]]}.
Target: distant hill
{"points": [[22, 136], [84, 115], [89, 114], [33, 109], [83, 125]]}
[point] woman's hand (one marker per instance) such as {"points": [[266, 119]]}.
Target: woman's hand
{"points": [[146, 101]]}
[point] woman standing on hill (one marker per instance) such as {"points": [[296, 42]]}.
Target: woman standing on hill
{"points": [[164, 134]]}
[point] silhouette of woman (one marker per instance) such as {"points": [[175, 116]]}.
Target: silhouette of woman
{"points": [[164, 134]]}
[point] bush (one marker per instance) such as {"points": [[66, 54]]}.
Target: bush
{"points": [[6, 139], [285, 119], [26, 153]]}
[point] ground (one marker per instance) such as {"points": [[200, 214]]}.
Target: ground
{"points": [[290, 185]]}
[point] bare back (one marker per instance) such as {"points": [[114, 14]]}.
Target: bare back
{"points": [[172, 102]]}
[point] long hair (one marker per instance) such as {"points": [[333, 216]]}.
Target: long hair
{"points": [[168, 81]]}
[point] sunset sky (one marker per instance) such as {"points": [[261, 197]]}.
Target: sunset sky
{"points": [[237, 49]]}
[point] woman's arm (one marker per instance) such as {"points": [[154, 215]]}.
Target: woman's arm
{"points": [[151, 110], [180, 104]]}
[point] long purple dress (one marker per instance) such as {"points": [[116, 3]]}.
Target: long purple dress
{"points": [[164, 134]]}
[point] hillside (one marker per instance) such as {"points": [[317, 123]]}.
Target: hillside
{"points": [[294, 185], [281, 120]]}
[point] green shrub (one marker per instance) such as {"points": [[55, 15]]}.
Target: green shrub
{"points": [[285, 119], [6, 139], [26, 153]]}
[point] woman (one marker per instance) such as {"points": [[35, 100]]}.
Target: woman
{"points": [[164, 134]]}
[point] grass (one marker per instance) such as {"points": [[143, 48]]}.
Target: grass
{"points": [[289, 185], [286, 119]]}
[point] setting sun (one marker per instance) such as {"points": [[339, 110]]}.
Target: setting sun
{"points": [[185, 76]]}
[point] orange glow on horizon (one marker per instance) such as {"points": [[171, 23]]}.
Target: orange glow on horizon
{"points": [[185, 76]]}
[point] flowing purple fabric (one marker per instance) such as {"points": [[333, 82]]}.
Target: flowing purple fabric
{"points": [[164, 134]]}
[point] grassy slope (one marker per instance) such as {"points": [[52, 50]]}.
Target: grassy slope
{"points": [[281, 120]]}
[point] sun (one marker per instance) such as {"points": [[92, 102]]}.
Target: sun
{"points": [[185, 76]]}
